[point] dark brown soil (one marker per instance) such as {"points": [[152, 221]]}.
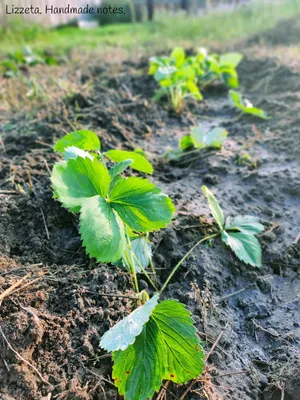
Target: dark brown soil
{"points": [[56, 322]]}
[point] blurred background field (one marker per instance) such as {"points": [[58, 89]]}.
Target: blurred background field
{"points": [[223, 23]]}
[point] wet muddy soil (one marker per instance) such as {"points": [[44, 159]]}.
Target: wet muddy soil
{"points": [[66, 301]]}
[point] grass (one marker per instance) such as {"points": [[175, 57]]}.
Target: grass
{"points": [[166, 31]]}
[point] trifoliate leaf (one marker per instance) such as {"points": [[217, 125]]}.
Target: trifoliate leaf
{"points": [[101, 230], [119, 168], [142, 254], [168, 348], [123, 334], [77, 179], [214, 138], [232, 59], [141, 205], [84, 139], [139, 162], [245, 246], [214, 207], [74, 152], [244, 223]]}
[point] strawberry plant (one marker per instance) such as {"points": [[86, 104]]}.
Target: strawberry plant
{"points": [[198, 140], [245, 106], [176, 78], [179, 76], [114, 209], [219, 67], [237, 232], [157, 341]]}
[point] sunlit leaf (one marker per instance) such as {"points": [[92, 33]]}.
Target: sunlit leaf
{"points": [[141, 205], [123, 334], [168, 348], [102, 231], [84, 139], [139, 162]]}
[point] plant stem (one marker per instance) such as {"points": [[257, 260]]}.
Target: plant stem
{"points": [[145, 272], [185, 257], [184, 154], [130, 261]]}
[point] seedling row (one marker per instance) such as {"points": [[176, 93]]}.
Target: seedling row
{"points": [[119, 210]]}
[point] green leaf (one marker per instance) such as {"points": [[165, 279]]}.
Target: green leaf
{"points": [[184, 358], [214, 207], [168, 348], [141, 205], [178, 54], [216, 137], [77, 179], [257, 112], [236, 99], [186, 142], [139, 162], [142, 254], [245, 246], [198, 136], [232, 59], [244, 223], [119, 168], [193, 89], [84, 139], [101, 230], [230, 77], [137, 371], [123, 334], [74, 152], [245, 106]]}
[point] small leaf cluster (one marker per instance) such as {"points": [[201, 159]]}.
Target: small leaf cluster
{"points": [[219, 67], [180, 76], [157, 341], [112, 207], [238, 232], [177, 78], [24, 57], [244, 105], [198, 139]]}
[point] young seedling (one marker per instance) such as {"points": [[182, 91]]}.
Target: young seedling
{"points": [[26, 57], [177, 79], [222, 68], [157, 341], [237, 232], [114, 210], [198, 140], [245, 106]]}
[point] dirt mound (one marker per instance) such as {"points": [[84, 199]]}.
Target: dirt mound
{"points": [[285, 33]]}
